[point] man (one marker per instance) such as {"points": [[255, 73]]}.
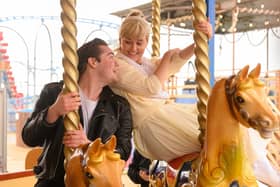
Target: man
{"points": [[102, 114]]}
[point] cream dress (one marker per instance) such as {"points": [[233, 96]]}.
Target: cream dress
{"points": [[162, 130]]}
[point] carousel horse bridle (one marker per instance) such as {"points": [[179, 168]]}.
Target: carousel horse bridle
{"points": [[235, 104]]}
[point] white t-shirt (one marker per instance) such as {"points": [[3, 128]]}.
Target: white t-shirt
{"points": [[88, 107]]}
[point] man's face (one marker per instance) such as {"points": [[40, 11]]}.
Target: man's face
{"points": [[107, 67], [133, 48]]}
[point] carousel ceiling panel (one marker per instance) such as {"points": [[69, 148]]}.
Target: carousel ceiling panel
{"points": [[231, 15]]}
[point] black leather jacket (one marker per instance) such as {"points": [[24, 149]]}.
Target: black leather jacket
{"points": [[111, 116]]}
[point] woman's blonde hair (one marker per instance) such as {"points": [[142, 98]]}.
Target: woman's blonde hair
{"points": [[135, 26]]}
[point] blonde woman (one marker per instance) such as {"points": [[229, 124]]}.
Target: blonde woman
{"points": [[162, 130]]}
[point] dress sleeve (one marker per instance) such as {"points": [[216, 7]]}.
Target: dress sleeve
{"points": [[134, 81], [176, 64]]}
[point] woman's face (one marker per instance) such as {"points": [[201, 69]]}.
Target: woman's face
{"points": [[133, 48]]}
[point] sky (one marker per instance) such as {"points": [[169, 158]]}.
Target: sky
{"points": [[84, 8], [34, 33], [44, 48]]}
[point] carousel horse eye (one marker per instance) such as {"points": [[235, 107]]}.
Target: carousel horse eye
{"points": [[239, 99], [89, 175]]}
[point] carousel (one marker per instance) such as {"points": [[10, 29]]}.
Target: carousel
{"points": [[241, 97]]}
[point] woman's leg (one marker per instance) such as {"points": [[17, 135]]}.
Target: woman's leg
{"points": [[170, 132]]}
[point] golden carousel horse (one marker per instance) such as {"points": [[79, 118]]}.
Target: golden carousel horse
{"points": [[235, 104], [95, 164]]}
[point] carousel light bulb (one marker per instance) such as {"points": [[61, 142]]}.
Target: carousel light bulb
{"points": [[266, 23], [223, 30], [238, 1], [251, 25], [262, 6], [182, 24]]}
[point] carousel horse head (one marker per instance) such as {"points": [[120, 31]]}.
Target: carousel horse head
{"points": [[234, 103], [248, 101], [95, 165]]}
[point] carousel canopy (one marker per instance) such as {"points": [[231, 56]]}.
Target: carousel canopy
{"points": [[231, 15]]}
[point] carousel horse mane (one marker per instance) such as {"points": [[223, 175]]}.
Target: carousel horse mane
{"points": [[95, 164], [234, 104]]}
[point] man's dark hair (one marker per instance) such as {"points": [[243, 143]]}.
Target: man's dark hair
{"points": [[87, 50]]}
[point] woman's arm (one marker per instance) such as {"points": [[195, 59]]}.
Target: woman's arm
{"points": [[134, 81], [163, 70], [174, 59]]}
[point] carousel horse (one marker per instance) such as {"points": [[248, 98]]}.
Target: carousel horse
{"points": [[95, 164], [235, 104], [157, 174]]}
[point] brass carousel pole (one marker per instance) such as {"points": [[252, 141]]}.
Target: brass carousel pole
{"points": [[233, 52], [202, 65], [70, 62], [202, 78], [156, 28]]}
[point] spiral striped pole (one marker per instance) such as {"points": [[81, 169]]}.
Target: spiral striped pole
{"points": [[202, 65], [156, 28], [70, 62]]}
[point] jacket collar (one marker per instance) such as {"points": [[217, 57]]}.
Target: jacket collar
{"points": [[106, 94]]}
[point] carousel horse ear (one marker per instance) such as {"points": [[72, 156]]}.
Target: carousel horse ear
{"points": [[111, 144], [94, 147], [242, 74], [255, 73]]}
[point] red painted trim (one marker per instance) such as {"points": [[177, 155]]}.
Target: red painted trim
{"points": [[15, 175]]}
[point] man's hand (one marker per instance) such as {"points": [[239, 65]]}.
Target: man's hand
{"points": [[64, 103], [75, 138]]}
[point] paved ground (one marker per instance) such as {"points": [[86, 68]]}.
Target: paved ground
{"points": [[15, 154]]}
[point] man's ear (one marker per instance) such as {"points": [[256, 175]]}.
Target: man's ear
{"points": [[92, 62]]}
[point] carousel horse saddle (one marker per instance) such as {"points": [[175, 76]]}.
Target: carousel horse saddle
{"points": [[178, 170]]}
